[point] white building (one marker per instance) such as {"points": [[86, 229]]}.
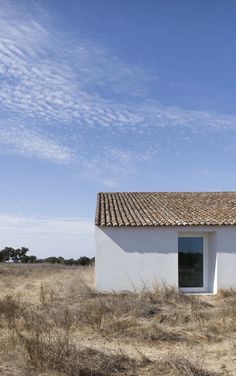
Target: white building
{"points": [[187, 240]]}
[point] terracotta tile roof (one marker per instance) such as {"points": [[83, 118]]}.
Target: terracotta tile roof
{"points": [[166, 208]]}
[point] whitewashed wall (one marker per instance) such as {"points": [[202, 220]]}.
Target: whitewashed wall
{"points": [[226, 257], [128, 258]]}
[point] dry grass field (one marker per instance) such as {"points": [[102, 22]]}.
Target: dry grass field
{"points": [[53, 322]]}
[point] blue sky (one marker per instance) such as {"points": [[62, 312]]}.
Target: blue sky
{"points": [[110, 96]]}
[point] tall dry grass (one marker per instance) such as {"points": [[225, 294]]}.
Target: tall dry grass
{"points": [[52, 322]]}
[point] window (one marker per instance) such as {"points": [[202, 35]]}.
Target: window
{"points": [[191, 260]]}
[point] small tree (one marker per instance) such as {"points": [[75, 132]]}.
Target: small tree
{"points": [[13, 255], [83, 261], [52, 260], [70, 261], [28, 259], [61, 260], [5, 254]]}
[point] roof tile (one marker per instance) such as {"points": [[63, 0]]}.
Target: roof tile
{"points": [[165, 208]]}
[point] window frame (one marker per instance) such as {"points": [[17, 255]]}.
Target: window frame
{"points": [[205, 261]]}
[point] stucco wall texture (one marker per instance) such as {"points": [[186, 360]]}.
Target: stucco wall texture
{"points": [[138, 257]]}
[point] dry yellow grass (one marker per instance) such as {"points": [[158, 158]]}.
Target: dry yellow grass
{"points": [[53, 322]]}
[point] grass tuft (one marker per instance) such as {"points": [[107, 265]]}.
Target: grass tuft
{"points": [[53, 322]]}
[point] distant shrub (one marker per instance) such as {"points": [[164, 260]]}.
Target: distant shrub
{"points": [[19, 255], [83, 261]]}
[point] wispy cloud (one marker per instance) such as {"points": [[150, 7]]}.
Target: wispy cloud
{"points": [[55, 77], [112, 164], [56, 88], [16, 138]]}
